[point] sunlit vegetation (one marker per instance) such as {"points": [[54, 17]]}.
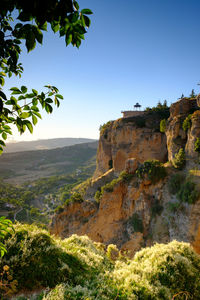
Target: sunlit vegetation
{"points": [[152, 170], [179, 159], [77, 268], [108, 187]]}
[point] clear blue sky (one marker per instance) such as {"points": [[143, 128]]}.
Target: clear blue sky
{"points": [[135, 51]]}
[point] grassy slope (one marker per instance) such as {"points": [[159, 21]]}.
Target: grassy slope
{"points": [[77, 268]]}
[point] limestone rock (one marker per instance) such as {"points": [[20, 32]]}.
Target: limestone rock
{"points": [[131, 165]]}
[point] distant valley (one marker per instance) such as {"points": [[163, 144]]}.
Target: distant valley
{"points": [[20, 167], [44, 144], [34, 183]]}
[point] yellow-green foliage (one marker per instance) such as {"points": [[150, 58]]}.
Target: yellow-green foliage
{"points": [[109, 187], [103, 128], [152, 170], [82, 270]]}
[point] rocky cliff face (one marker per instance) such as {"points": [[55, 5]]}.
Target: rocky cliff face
{"points": [[136, 212], [137, 137]]}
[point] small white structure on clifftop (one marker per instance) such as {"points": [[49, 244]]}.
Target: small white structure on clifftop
{"points": [[133, 113]]}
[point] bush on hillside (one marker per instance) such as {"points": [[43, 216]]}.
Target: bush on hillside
{"points": [[155, 273], [163, 125], [152, 170], [179, 159], [83, 270], [35, 259], [187, 123], [188, 192], [160, 272]]}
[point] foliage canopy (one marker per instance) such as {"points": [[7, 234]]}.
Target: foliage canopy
{"points": [[33, 17]]}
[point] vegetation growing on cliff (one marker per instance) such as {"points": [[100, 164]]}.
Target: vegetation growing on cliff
{"points": [[152, 170], [162, 109], [184, 188], [123, 177], [179, 159], [187, 123], [163, 125], [77, 268], [103, 128]]}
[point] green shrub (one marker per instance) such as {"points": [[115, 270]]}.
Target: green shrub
{"points": [[98, 196], [197, 145], [187, 123], [179, 159], [152, 169], [136, 222], [188, 192], [125, 177], [103, 128], [76, 197], [175, 182], [159, 272], [109, 186], [163, 125], [36, 260], [59, 209], [83, 270]]}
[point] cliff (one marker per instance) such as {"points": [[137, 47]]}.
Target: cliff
{"points": [[132, 203]]}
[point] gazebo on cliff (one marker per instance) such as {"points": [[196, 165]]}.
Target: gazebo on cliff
{"points": [[133, 113], [137, 106]]}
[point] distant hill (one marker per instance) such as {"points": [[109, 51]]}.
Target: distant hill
{"points": [[45, 144], [19, 167]]}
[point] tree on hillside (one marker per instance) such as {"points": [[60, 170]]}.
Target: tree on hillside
{"points": [[22, 108]]}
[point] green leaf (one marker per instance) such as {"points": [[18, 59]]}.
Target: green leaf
{"points": [[30, 127], [2, 81], [55, 27], [35, 101], [3, 95], [48, 108], [86, 11], [34, 92], [30, 41], [87, 21], [34, 120], [68, 39], [4, 135], [15, 89], [2, 143], [48, 100], [21, 97], [76, 5], [34, 108], [38, 34], [37, 114], [24, 115], [59, 96], [57, 102], [23, 89], [6, 127], [43, 26]]}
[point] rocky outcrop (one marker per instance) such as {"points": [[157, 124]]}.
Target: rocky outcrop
{"points": [[176, 136], [135, 212], [136, 137]]}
